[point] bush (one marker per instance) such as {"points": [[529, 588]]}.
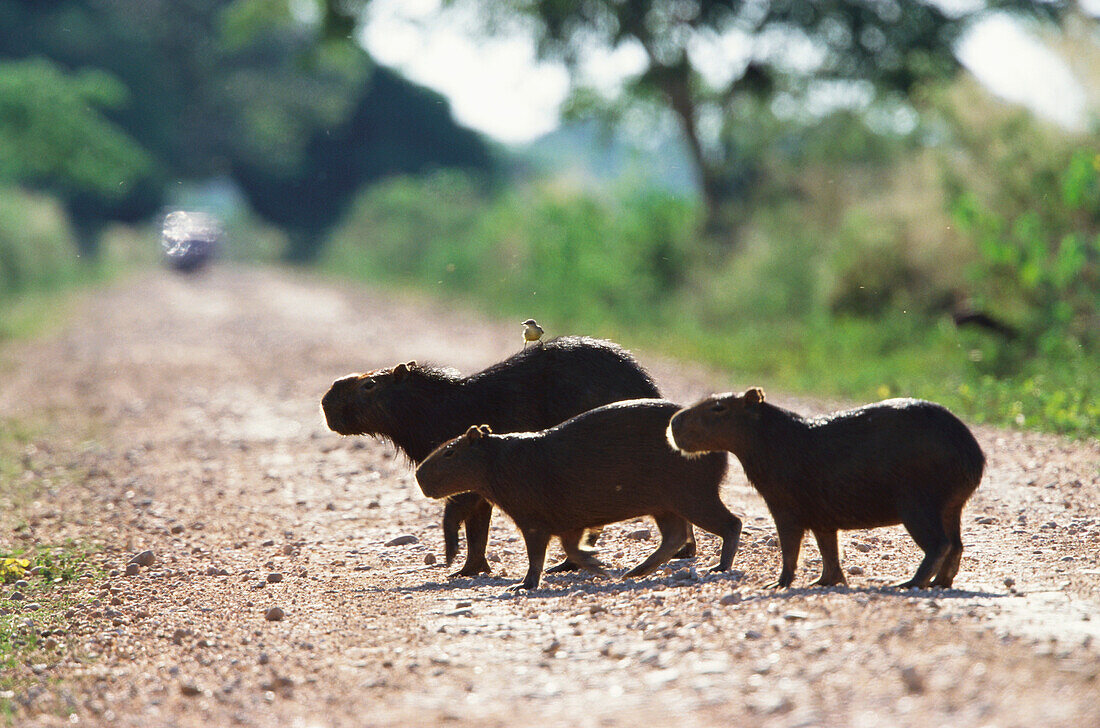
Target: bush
{"points": [[37, 245]]}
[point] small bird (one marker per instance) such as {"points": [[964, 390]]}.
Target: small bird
{"points": [[531, 332]]}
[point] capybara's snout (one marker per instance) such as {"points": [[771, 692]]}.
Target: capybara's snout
{"points": [[684, 433]]}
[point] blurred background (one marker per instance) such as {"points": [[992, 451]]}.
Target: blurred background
{"points": [[856, 199]]}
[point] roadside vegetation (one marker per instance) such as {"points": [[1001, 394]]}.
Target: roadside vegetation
{"points": [[841, 278]]}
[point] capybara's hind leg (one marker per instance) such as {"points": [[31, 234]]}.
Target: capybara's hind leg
{"points": [[568, 564], [927, 530], [536, 542], [831, 573], [477, 536], [952, 517], [580, 554], [673, 530], [790, 543], [712, 515], [687, 551]]}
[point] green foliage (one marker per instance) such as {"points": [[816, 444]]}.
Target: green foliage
{"points": [[53, 132], [37, 245], [886, 49], [775, 312]]}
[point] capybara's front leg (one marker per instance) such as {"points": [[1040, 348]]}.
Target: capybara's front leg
{"points": [[477, 537], [536, 542], [831, 573], [790, 543]]}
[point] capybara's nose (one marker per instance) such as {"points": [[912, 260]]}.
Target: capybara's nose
{"points": [[334, 391]]}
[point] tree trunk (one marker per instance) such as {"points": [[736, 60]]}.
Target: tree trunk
{"points": [[679, 99]]}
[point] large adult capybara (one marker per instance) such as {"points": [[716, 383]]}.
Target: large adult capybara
{"points": [[899, 461], [419, 407], [609, 464]]}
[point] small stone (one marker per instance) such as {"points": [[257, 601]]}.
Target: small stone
{"points": [[145, 558], [1010, 582], [912, 679], [268, 542], [132, 569], [403, 540], [264, 659], [862, 547], [50, 643], [429, 559], [462, 605], [855, 570], [190, 690], [288, 550], [274, 577], [731, 598], [32, 607], [21, 584], [178, 528], [16, 596], [275, 614], [551, 649], [178, 635], [795, 616], [642, 534]]}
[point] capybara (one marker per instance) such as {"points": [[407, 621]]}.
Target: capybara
{"points": [[419, 408], [899, 461], [606, 465]]}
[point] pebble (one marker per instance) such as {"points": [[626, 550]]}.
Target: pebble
{"points": [[912, 679], [32, 607], [132, 569], [21, 584], [862, 547], [274, 577], [190, 690], [1010, 582], [731, 598], [275, 614], [178, 528], [288, 550], [403, 540], [855, 570], [16, 596], [429, 559], [642, 534], [145, 558]]}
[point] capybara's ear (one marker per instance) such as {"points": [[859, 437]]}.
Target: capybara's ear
{"points": [[753, 395], [484, 429], [473, 433], [411, 363], [399, 372]]}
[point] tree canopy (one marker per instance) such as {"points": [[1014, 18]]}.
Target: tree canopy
{"points": [[711, 62]]}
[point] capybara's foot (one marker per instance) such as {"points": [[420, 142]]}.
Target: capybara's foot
{"points": [[780, 583], [718, 568], [563, 566], [473, 568], [911, 584], [520, 587], [833, 580], [687, 551]]}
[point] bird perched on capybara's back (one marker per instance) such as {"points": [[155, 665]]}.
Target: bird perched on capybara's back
{"points": [[608, 464], [420, 407], [899, 461]]}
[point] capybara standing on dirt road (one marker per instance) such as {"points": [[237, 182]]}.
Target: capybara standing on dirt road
{"points": [[419, 408], [606, 465], [900, 461]]}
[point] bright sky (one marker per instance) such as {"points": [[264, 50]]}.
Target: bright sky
{"points": [[497, 86]]}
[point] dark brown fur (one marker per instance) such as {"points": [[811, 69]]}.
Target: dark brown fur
{"points": [[900, 461], [606, 465], [418, 408]]}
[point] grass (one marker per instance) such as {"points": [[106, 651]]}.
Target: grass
{"points": [[632, 269]]}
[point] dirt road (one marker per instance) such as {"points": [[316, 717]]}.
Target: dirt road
{"points": [[189, 409]]}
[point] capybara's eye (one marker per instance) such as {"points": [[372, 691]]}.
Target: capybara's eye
{"points": [[718, 407], [448, 453], [367, 384]]}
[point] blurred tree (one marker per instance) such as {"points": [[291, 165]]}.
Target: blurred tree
{"points": [[53, 136], [711, 61], [152, 91]]}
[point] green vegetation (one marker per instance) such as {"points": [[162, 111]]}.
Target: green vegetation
{"points": [[834, 292], [36, 637]]}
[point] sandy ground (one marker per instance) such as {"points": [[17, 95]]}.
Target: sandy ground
{"points": [[189, 408]]}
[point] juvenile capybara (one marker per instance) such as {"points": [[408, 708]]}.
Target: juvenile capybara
{"points": [[899, 461], [606, 465], [419, 407]]}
